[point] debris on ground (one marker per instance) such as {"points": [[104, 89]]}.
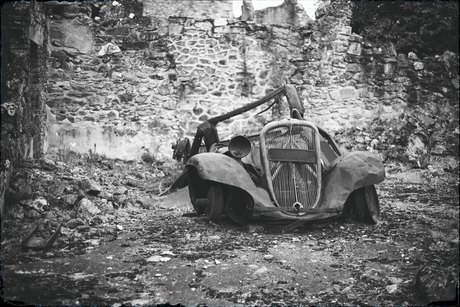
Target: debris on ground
{"points": [[120, 243]]}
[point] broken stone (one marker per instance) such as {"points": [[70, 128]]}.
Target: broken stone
{"points": [[70, 199], [132, 182], [73, 214], [436, 170], [416, 151], [17, 213], [36, 242], [106, 205], [255, 228], [392, 288], [64, 215], [268, 257], [87, 209], [438, 150], [106, 195], [374, 143], [83, 228], [436, 284], [108, 49], [102, 219], [65, 231], [58, 189], [146, 202], [261, 270], [412, 56], [90, 187], [360, 140], [72, 224], [120, 191], [49, 162], [419, 66], [33, 214], [50, 215]]}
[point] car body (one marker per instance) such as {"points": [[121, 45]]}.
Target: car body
{"points": [[291, 172]]}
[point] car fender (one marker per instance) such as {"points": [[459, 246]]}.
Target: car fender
{"points": [[226, 170], [347, 173]]}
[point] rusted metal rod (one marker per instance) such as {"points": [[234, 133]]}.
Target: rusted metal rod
{"points": [[247, 107]]}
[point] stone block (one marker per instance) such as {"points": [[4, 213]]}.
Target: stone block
{"points": [[354, 48], [339, 64], [72, 35], [343, 37], [280, 32], [218, 22], [419, 66], [402, 95], [344, 30], [390, 87], [356, 38], [348, 92], [340, 47], [334, 94], [367, 51], [388, 68], [403, 63], [203, 25], [363, 93], [354, 67]]}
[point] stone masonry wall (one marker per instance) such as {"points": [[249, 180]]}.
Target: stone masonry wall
{"points": [[289, 12], [198, 9], [24, 49], [135, 82], [144, 87]]}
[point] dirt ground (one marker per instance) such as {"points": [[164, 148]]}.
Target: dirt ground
{"points": [[158, 251]]}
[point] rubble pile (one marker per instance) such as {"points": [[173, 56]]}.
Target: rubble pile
{"points": [[88, 196], [423, 135]]}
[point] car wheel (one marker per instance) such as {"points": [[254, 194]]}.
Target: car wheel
{"points": [[216, 203], [367, 204], [193, 197], [235, 205]]}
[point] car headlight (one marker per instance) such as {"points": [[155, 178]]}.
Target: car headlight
{"points": [[239, 146]]}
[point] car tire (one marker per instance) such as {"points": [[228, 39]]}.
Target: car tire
{"points": [[193, 197], [367, 205], [216, 203], [235, 205]]}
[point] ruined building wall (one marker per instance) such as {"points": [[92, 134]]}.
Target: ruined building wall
{"points": [[198, 9], [147, 80], [145, 84], [288, 13], [24, 52]]}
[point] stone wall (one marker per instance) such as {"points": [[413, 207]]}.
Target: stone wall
{"points": [[147, 80], [288, 13], [144, 85], [24, 49], [198, 9]]}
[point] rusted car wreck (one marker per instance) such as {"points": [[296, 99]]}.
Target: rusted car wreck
{"points": [[292, 172]]}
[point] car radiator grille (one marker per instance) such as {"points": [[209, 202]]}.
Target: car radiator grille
{"points": [[291, 153]]}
